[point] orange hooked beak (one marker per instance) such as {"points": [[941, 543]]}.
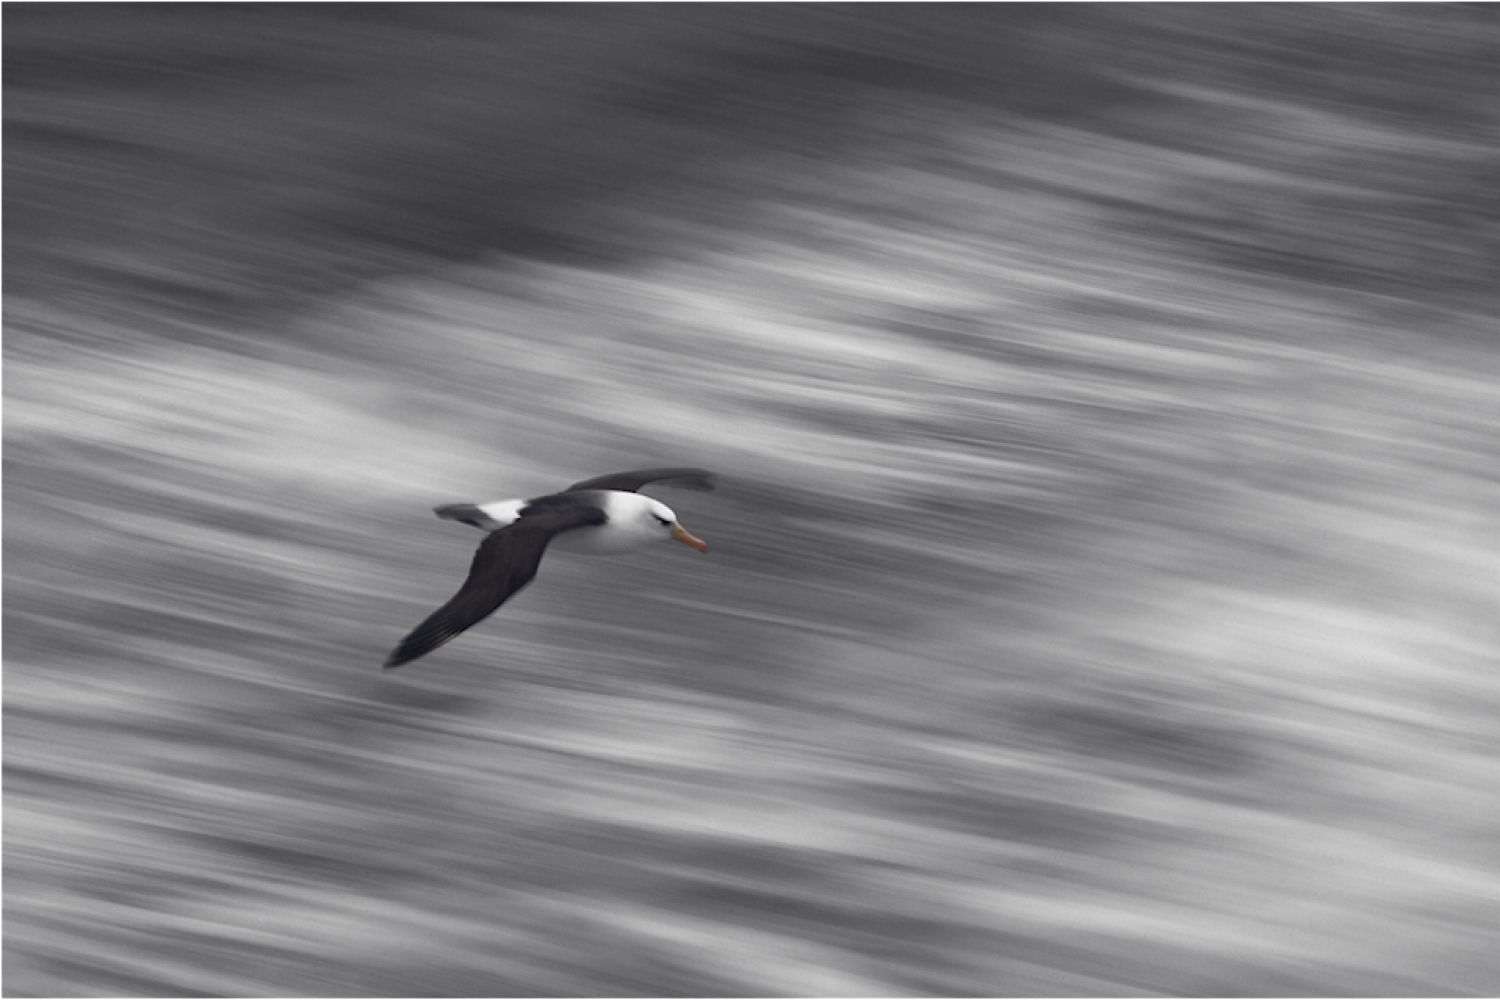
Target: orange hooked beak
{"points": [[680, 533]]}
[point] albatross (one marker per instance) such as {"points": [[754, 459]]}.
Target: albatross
{"points": [[599, 516]]}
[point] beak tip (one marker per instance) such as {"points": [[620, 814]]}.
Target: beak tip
{"points": [[681, 534]]}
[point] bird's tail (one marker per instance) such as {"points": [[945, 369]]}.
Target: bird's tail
{"points": [[468, 513]]}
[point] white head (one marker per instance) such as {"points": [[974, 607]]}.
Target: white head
{"points": [[635, 521], [657, 518]]}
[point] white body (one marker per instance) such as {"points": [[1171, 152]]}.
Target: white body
{"points": [[635, 521]]}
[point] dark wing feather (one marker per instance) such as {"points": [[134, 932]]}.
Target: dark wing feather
{"points": [[507, 560], [629, 482]]}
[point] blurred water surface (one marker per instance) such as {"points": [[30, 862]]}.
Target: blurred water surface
{"points": [[1101, 585]]}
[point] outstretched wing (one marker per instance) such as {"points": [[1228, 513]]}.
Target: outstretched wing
{"points": [[629, 482], [507, 560]]}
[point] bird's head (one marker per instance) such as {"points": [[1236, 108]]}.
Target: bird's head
{"points": [[658, 517]]}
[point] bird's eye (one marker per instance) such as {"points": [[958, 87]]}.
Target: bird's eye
{"points": [[664, 522]]}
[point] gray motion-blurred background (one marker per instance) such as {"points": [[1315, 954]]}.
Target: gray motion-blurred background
{"points": [[1103, 593]]}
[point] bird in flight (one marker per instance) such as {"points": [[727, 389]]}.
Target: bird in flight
{"points": [[598, 516]]}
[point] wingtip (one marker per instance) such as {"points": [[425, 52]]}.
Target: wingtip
{"points": [[698, 479]]}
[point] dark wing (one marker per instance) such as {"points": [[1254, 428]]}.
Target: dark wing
{"points": [[629, 482], [506, 561]]}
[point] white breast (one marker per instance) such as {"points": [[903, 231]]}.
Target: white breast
{"points": [[629, 527]]}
